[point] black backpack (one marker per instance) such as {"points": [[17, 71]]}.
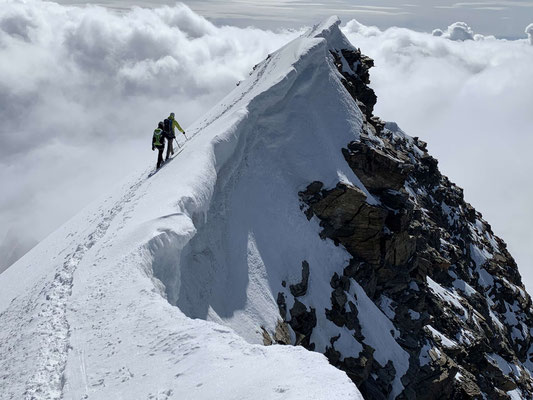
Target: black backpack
{"points": [[167, 126]]}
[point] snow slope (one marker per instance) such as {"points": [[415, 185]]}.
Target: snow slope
{"points": [[85, 313]]}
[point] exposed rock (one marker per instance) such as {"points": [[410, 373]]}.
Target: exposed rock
{"points": [[357, 82], [282, 305], [301, 288], [302, 323], [386, 375], [348, 218], [357, 368], [465, 388], [398, 248], [377, 170], [267, 340], [282, 334]]}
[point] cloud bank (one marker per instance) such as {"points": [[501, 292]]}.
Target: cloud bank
{"points": [[471, 100], [81, 90]]}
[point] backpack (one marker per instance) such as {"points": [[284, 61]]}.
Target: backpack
{"points": [[158, 138], [167, 126]]}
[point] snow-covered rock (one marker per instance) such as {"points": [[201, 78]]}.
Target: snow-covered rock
{"points": [[445, 282]]}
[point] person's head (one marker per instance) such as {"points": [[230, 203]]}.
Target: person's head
{"points": [[160, 125], [172, 115]]}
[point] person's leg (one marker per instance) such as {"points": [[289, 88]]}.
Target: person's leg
{"points": [[170, 150], [160, 156]]}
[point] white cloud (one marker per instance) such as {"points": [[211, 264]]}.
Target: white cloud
{"points": [[456, 31], [354, 26], [82, 88], [529, 32], [460, 31], [471, 100]]}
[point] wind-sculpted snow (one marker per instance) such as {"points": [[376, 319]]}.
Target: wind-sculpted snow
{"points": [[85, 313]]}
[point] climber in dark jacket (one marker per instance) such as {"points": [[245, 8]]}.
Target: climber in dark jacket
{"points": [[158, 142]]}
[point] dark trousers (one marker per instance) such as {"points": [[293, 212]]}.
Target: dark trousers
{"points": [[160, 156], [170, 149]]}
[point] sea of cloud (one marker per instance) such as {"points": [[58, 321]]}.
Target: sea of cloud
{"points": [[470, 97], [81, 89]]}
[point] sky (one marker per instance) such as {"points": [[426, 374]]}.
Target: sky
{"points": [[505, 18], [85, 86]]}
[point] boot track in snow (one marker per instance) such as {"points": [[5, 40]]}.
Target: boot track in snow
{"points": [[54, 330]]}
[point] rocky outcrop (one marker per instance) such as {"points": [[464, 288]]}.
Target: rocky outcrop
{"points": [[300, 289], [378, 170], [302, 320], [346, 216], [427, 259], [281, 335]]}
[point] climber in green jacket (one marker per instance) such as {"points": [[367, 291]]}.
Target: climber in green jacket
{"points": [[168, 126], [175, 124], [158, 142]]}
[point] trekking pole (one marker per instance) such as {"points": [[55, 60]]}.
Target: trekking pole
{"points": [[184, 134], [178, 143]]}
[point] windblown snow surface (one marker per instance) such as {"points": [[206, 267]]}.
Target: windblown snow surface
{"points": [[161, 289]]}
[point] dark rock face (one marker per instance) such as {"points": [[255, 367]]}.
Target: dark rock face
{"points": [[346, 216], [378, 170], [302, 323], [301, 288], [452, 290]]}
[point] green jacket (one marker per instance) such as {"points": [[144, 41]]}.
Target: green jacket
{"points": [[175, 125]]}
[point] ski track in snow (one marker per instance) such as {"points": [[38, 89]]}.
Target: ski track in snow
{"points": [[53, 330]]}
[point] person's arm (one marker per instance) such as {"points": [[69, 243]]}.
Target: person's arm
{"points": [[153, 142], [176, 125]]}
